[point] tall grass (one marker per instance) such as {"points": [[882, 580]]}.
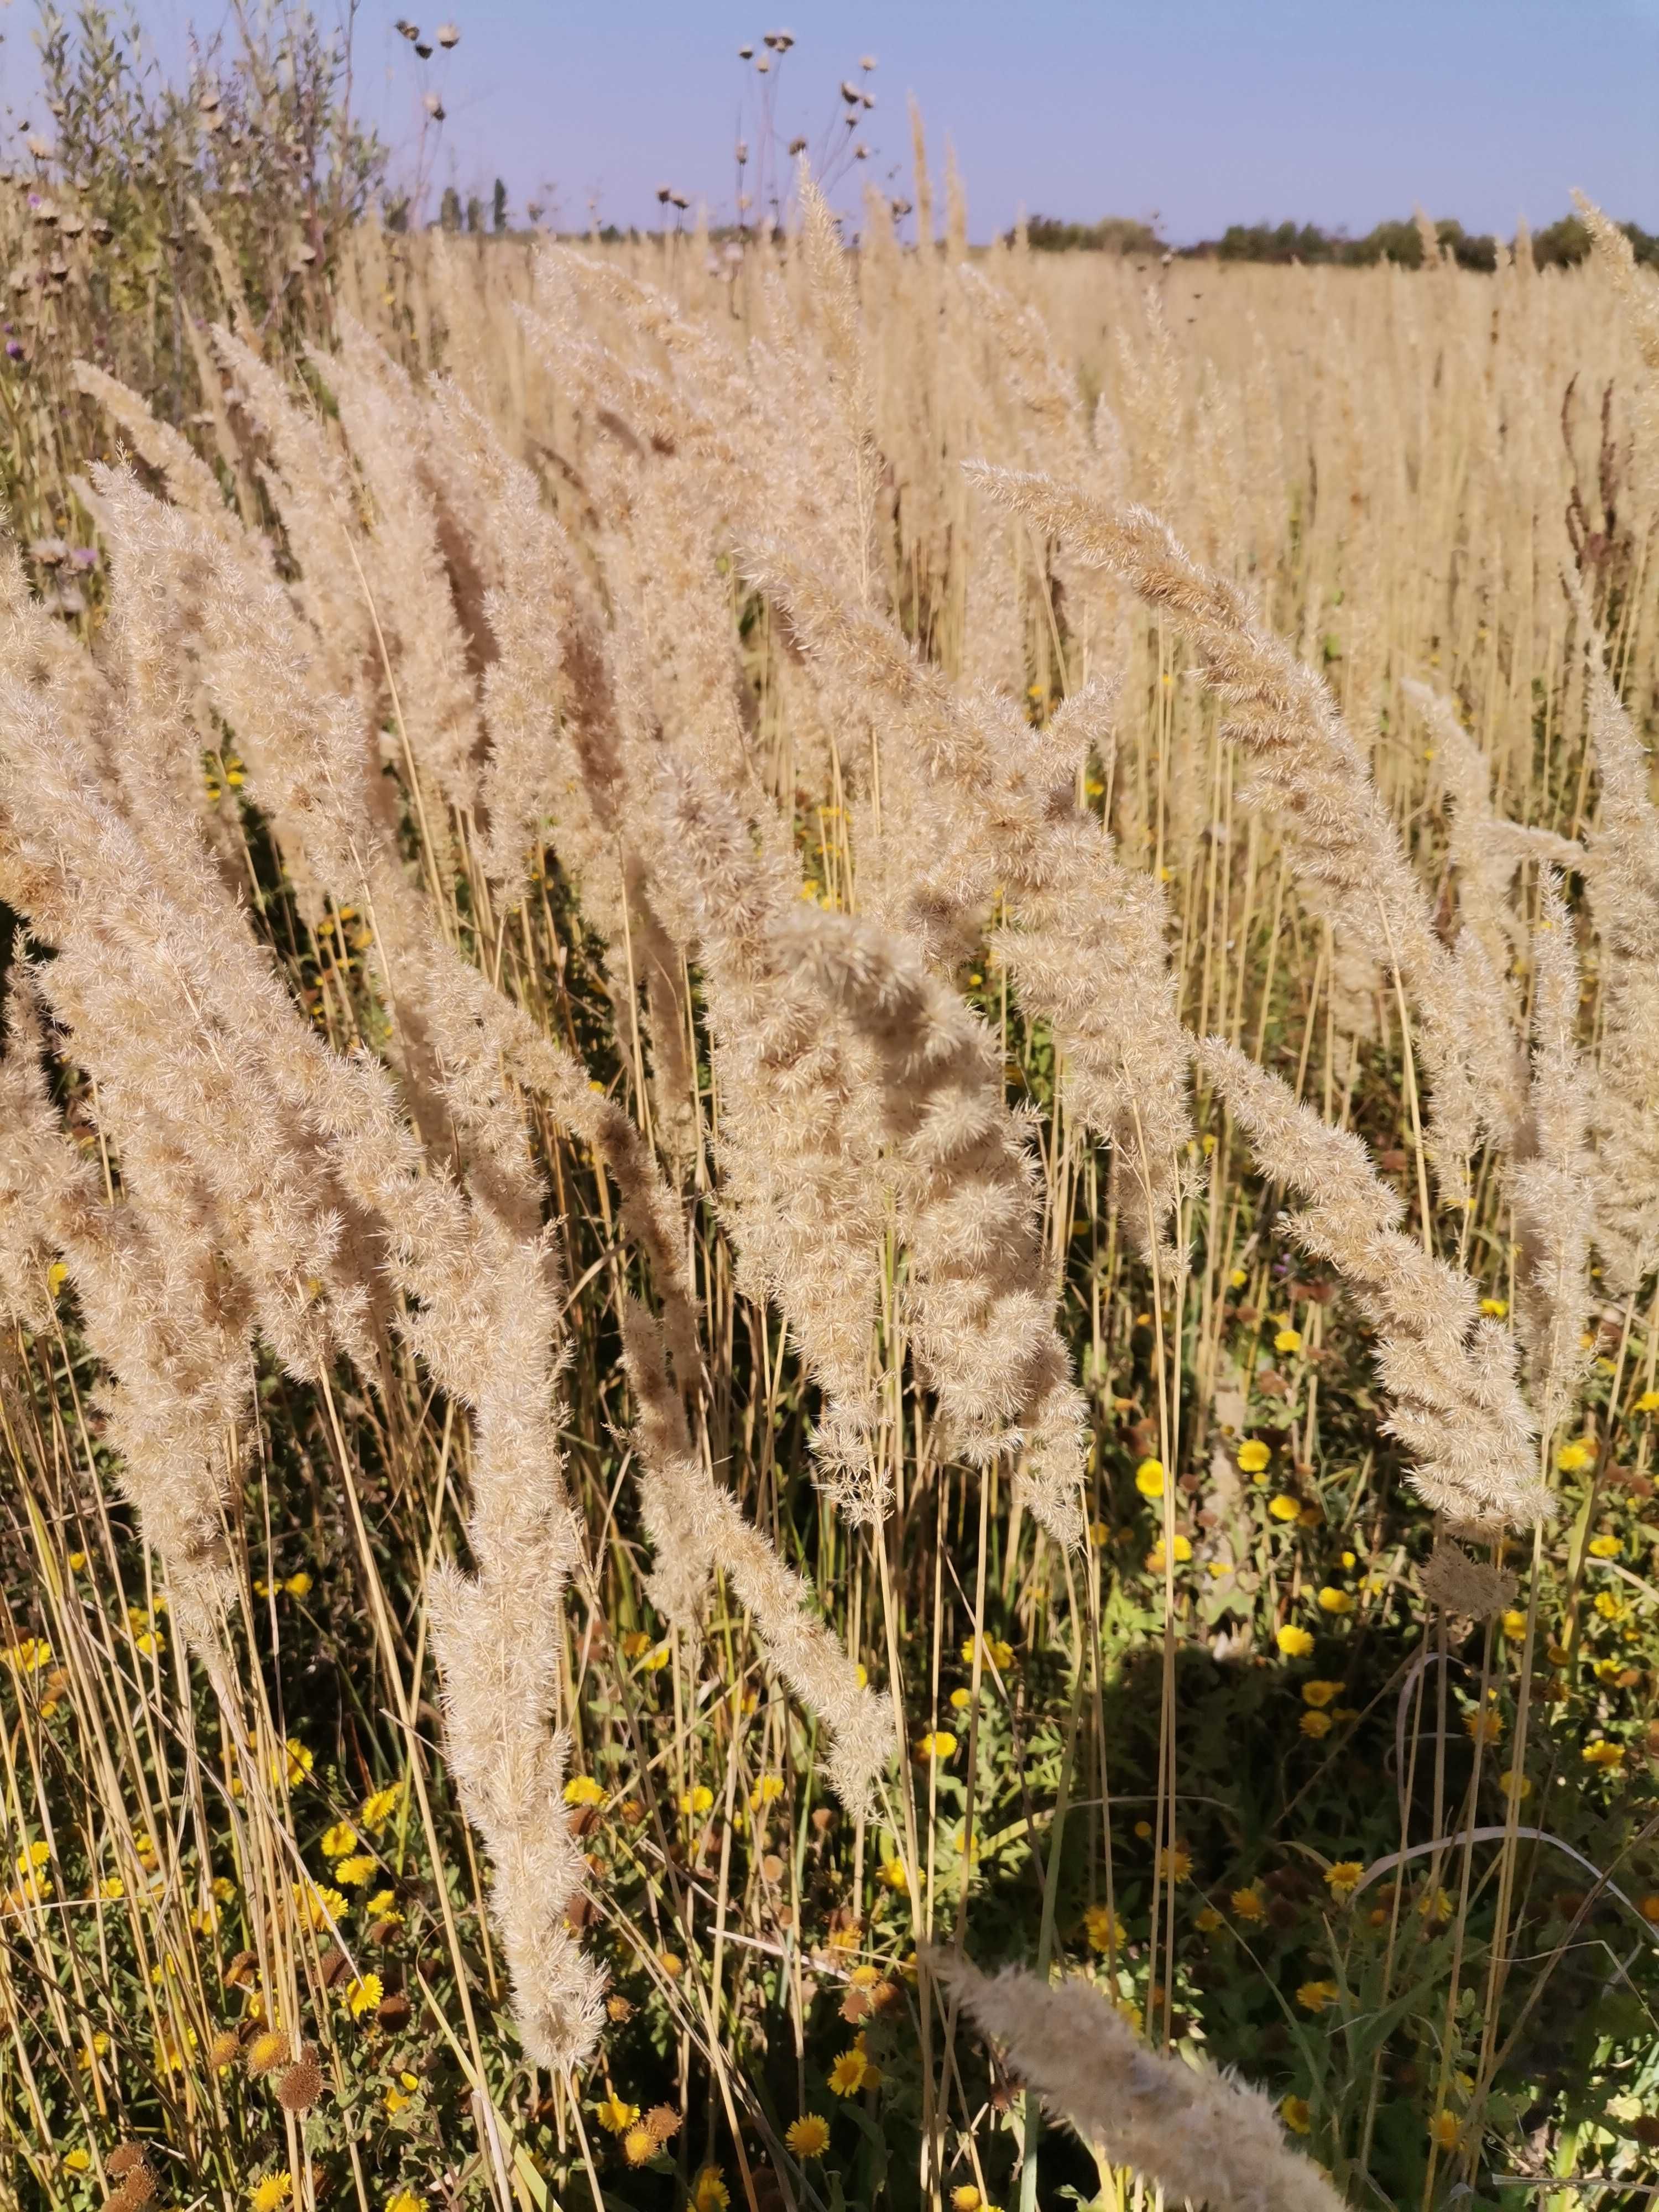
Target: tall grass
{"points": [[772, 1209]]}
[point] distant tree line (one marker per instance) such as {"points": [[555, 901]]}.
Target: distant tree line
{"points": [[1556, 247]]}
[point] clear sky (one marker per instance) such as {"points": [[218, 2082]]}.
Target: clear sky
{"points": [[1339, 111]]}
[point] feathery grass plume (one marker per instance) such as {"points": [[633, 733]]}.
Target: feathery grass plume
{"points": [[312, 492], [404, 561], [1554, 1196], [996, 814], [1623, 885], [188, 479], [1344, 845], [1458, 1584], [797, 1139], [1458, 1406], [1634, 293], [695, 1527], [980, 1293], [1201, 2136], [489, 1337]]}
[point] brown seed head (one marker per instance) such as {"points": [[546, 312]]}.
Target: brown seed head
{"points": [[299, 2085]]}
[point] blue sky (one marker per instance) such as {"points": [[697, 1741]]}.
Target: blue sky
{"points": [[1205, 110]]}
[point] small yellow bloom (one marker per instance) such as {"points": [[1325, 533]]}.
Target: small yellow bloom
{"points": [[112, 1886], [76, 1561], [57, 1276], [960, 1699], [1343, 1879], [355, 1871], [32, 1855], [846, 2075], [1294, 2112], [1284, 1507], [891, 1874], [1177, 1865], [1514, 1625], [1104, 1930], [1295, 1643], [1444, 2129], [808, 2136], [1435, 1904], [339, 1839], [672, 1964], [997, 1653], [383, 1906], [78, 2160], [1485, 1727], [709, 2192], [1155, 1559], [1149, 1477], [967, 2198], [1334, 1600], [639, 2145], [274, 2190], [941, 1744], [1238, 1278], [1495, 1308], [1603, 1753], [767, 1791], [1253, 1456], [583, 1789], [1288, 1340], [380, 1806], [405, 2201], [1320, 1694], [654, 1662], [1313, 1997], [1248, 1903], [1572, 1457], [1314, 1724], [698, 1799], [1647, 1402], [299, 1763], [1649, 1908], [615, 2116], [634, 1642], [1208, 1921], [364, 1995], [1609, 1606], [395, 2099], [1604, 1547], [1508, 1783]]}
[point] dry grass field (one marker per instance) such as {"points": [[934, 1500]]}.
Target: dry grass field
{"points": [[828, 1159]]}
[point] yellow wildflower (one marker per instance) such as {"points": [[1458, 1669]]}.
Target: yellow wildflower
{"points": [[1513, 1785], [1294, 2112], [639, 2145], [654, 1662], [1253, 1456], [583, 1789], [709, 2192], [1315, 1725], [1514, 1625], [380, 1806], [298, 1585], [615, 2116], [1320, 1694], [846, 2075], [1284, 1507], [698, 1799], [383, 1905], [405, 2201], [274, 2190], [891, 1874], [1149, 1477], [967, 2198], [808, 2136], [1104, 1930], [339, 1839], [996, 1651], [1342, 1879], [1495, 1308], [1604, 1547], [1248, 1903], [1177, 1865], [364, 1995], [1485, 1727], [1313, 1997], [78, 2160], [941, 1744], [1647, 1402], [1293, 1642], [1288, 1340], [1572, 1457], [1603, 1753], [1334, 1600], [1444, 2129], [355, 1871]]}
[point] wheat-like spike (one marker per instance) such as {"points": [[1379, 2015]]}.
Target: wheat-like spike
{"points": [[1458, 1406], [1201, 2136]]}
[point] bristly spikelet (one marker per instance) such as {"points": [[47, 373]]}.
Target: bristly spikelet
{"points": [[1456, 1405], [1200, 2134]]}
